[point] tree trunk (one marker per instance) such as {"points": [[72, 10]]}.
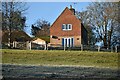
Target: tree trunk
{"points": [[109, 43], [109, 39], [109, 36], [105, 43], [105, 32]]}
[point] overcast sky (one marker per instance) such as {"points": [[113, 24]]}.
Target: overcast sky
{"points": [[48, 11]]}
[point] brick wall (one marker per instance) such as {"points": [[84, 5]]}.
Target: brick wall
{"points": [[66, 17]]}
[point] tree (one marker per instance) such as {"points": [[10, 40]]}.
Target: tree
{"points": [[84, 18], [12, 17], [34, 30], [40, 28], [0, 10], [103, 18]]}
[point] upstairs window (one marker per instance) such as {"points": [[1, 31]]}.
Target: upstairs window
{"points": [[63, 26], [67, 27]]}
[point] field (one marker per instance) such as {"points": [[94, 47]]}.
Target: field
{"points": [[77, 58], [59, 63]]}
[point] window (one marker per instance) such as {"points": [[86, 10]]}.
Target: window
{"points": [[67, 27], [63, 26], [68, 42]]}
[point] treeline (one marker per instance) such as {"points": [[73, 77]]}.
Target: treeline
{"points": [[101, 19]]}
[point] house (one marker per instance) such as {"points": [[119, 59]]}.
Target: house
{"points": [[39, 41], [68, 30]]}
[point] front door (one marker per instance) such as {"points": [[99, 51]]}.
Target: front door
{"points": [[67, 42]]}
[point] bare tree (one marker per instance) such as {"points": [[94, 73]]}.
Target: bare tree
{"points": [[12, 15], [12, 18], [83, 16], [41, 28], [103, 18]]}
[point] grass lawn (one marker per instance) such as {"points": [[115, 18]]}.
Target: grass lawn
{"points": [[60, 57]]}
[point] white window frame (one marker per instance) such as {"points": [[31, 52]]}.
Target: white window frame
{"points": [[65, 27], [70, 26], [67, 38]]}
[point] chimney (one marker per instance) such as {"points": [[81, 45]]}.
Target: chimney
{"points": [[72, 9]]}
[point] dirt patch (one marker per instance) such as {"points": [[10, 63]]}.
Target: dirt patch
{"points": [[54, 72]]}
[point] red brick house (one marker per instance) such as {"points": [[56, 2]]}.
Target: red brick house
{"points": [[68, 30]]}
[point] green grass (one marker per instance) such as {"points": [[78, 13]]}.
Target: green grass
{"points": [[60, 57]]}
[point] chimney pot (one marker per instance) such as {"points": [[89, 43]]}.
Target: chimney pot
{"points": [[72, 9], [70, 6]]}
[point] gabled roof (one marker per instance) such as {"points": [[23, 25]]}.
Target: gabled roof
{"points": [[39, 41], [45, 38], [61, 14], [15, 36], [72, 14]]}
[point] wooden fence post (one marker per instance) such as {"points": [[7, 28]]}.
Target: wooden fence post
{"points": [[30, 45], [81, 47], [45, 47], [98, 48], [116, 48], [111, 48], [14, 44], [27, 45]]}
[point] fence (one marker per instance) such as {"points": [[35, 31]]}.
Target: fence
{"points": [[24, 46], [28, 45], [87, 48], [17, 45]]}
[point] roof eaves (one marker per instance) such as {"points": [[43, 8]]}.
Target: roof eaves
{"points": [[59, 16]]}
